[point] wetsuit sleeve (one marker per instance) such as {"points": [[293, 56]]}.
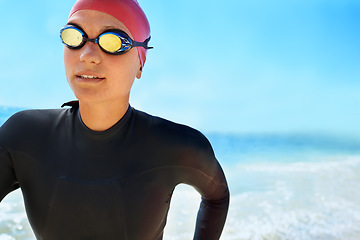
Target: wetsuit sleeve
{"points": [[8, 180], [207, 177], [213, 211]]}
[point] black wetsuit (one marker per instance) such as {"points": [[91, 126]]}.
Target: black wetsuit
{"points": [[117, 184]]}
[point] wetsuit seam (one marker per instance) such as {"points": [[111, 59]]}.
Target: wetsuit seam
{"points": [[210, 179], [27, 156], [173, 166]]}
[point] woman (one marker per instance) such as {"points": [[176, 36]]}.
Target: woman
{"points": [[101, 169]]}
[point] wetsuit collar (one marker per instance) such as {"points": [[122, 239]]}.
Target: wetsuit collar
{"points": [[99, 135]]}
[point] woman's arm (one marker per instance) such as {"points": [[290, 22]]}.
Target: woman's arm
{"points": [[213, 209], [8, 182], [8, 133], [205, 174]]}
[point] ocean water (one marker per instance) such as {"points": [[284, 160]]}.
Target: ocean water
{"points": [[283, 187]]}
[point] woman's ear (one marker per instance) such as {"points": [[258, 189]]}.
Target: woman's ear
{"points": [[138, 75]]}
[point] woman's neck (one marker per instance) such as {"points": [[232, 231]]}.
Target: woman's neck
{"points": [[102, 116]]}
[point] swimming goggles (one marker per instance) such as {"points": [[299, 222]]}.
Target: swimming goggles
{"points": [[112, 41]]}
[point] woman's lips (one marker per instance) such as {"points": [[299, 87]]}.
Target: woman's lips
{"points": [[88, 78]]}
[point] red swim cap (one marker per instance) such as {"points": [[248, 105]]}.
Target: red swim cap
{"points": [[128, 12]]}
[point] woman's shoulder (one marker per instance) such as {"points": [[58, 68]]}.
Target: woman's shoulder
{"points": [[29, 126], [36, 116], [29, 120], [170, 131]]}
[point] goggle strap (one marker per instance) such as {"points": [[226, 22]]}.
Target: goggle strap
{"points": [[142, 44]]}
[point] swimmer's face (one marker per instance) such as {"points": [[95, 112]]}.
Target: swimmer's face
{"points": [[93, 75]]}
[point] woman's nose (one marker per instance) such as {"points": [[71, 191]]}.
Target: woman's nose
{"points": [[90, 53]]}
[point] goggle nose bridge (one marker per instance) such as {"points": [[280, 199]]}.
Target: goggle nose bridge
{"points": [[94, 40]]}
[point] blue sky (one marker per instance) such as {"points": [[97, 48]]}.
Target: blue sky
{"points": [[220, 66]]}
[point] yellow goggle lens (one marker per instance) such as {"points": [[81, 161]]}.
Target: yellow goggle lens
{"points": [[110, 42], [72, 37]]}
